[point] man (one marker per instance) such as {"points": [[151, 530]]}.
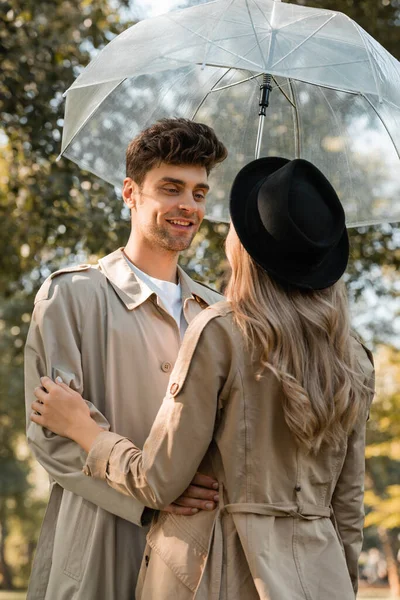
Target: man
{"points": [[112, 332]]}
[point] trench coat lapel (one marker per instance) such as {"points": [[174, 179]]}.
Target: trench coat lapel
{"points": [[127, 286], [133, 292]]}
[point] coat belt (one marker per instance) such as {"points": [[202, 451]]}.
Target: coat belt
{"points": [[308, 512], [210, 582]]}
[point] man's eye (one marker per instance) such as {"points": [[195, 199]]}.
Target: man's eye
{"points": [[199, 196], [170, 190]]}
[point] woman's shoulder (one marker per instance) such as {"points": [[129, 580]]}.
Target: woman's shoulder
{"points": [[222, 308], [214, 322], [363, 354]]}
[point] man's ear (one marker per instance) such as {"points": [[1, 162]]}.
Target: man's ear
{"points": [[130, 191]]}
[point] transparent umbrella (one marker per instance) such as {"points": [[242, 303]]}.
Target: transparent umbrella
{"points": [[333, 95]]}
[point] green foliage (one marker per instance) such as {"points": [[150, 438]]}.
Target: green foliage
{"points": [[51, 209], [386, 511], [382, 497], [52, 213]]}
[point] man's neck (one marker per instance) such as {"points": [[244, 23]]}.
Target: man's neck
{"points": [[161, 265]]}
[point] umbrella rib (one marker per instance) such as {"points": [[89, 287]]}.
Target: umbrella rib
{"points": [[88, 117], [392, 103], [208, 93], [218, 21], [303, 42], [355, 62], [305, 18], [383, 123], [248, 52], [261, 11], [297, 121], [340, 132], [282, 92], [203, 37], [223, 39], [230, 85], [237, 37], [332, 65], [370, 62], [255, 35]]}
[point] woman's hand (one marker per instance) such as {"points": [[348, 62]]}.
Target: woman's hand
{"points": [[64, 412]]}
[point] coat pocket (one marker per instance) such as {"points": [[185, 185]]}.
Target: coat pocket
{"points": [[80, 541], [182, 544]]}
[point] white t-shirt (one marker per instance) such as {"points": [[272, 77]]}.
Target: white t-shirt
{"points": [[170, 295]]}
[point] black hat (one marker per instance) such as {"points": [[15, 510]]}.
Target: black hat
{"points": [[291, 222]]}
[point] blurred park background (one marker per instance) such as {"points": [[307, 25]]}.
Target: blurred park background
{"points": [[52, 215]]}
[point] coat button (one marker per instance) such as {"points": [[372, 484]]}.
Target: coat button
{"points": [[166, 367], [298, 488], [147, 560], [174, 388]]}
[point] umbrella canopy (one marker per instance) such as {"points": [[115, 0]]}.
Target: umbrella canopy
{"points": [[335, 97]]}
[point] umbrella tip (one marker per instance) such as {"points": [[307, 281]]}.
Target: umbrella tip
{"points": [[59, 157]]}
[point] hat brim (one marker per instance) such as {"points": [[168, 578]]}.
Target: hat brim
{"points": [[323, 275]]}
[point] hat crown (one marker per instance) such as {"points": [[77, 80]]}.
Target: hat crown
{"points": [[295, 206], [290, 220]]}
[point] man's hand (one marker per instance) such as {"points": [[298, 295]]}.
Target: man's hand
{"points": [[202, 494]]}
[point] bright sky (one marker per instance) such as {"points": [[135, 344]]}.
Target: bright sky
{"points": [[152, 8]]}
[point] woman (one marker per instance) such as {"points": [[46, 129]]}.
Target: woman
{"points": [[270, 393]]}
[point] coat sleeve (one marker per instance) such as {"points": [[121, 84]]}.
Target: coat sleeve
{"points": [[348, 497], [183, 428], [53, 349]]}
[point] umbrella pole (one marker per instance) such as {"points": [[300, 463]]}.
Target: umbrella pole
{"points": [[265, 90]]}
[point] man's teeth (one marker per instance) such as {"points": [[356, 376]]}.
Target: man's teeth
{"points": [[180, 223]]}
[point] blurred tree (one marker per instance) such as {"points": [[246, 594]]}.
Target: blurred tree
{"points": [[52, 213], [383, 461], [51, 209]]}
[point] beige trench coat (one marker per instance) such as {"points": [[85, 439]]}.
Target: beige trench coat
{"points": [[107, 336], [289, 526]]}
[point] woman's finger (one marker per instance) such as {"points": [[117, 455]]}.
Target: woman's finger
{"points": [[40, 394], [48, 384], [38, 407], [37, 419]]}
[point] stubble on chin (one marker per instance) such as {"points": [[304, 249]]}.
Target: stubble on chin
{"points": [[170, 243]]}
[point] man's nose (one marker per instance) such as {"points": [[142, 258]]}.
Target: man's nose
{"points": [[188, 203]]}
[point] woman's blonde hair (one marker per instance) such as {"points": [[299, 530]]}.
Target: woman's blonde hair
{"points": [[303, 338]]}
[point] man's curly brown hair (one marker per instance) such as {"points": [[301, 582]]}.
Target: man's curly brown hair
{"points": [[175, 142]]}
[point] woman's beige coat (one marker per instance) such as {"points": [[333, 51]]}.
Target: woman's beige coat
{"points": [[289, 526]]}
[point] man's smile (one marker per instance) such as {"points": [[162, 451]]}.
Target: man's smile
{"points": [[181, 223]]}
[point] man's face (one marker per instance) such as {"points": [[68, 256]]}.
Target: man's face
{"points": [[168, 208]]}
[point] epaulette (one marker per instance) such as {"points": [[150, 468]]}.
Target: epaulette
{"points": [[188, 347], [207, 286], [43, 292]]}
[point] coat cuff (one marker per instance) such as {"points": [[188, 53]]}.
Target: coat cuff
{"points": [[99, 456]]}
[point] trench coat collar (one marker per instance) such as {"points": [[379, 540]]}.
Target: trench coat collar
{"points": [[134, 292]]}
